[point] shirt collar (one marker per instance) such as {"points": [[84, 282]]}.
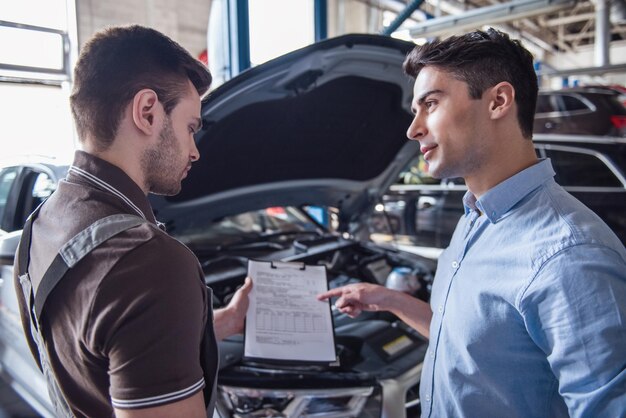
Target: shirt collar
{"points": [[112, 179], [500, 199]]}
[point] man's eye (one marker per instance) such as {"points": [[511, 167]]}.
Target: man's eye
{"points": [[429, 104]]}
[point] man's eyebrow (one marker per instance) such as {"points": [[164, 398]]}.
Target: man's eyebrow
{"points": [[428, 93], [422, 99]]}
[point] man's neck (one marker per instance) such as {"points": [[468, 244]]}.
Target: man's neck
{"points": [[501, 166], [125, 160]]}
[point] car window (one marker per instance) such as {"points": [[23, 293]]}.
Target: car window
{"points": [[570, 103], [43, 187], [543, 104], [37, 187], [7, 176], [581, 170]]}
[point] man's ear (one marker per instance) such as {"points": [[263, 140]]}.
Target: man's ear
{"points": [[502, 99], [145, 110]]}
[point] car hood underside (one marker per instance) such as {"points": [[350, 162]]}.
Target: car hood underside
{"points": [[325, 125]]}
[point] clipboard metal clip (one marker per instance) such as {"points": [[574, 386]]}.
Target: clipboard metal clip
{"points": [[285, 264]]}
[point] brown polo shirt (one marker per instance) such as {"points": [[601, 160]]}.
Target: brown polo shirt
{"points": [[124, 326]]}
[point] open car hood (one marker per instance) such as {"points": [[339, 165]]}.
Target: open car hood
{"points": [[324, 125]]}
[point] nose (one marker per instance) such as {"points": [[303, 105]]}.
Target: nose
{"points": [[417, 129], [194, 154]]}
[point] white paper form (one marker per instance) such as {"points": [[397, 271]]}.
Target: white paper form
{"points": [[285, 321]]}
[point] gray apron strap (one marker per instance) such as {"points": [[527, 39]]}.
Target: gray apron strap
{"points": [[78, 247], [70, 253]]}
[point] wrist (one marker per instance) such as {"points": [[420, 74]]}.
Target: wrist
{"points": [[223, 322], [228, 321], [393, 301]]}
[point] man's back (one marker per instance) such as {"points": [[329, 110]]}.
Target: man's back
{"points": [[126, 323]]}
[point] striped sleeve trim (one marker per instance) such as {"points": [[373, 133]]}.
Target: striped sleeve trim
{"points": [[157, 400]]}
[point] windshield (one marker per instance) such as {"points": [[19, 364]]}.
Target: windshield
{"points": [[274, 222]]}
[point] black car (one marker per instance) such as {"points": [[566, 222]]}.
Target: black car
{"points": [[581, 111], [322, 127], [422, 211]]}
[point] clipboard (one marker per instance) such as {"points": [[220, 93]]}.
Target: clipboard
{"points": [[285, 323]]}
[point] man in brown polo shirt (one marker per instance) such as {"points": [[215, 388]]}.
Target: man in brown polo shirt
{"points": [[128, 330]]}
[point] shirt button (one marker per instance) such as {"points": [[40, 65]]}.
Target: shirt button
{"points": [[455, 264], [440, 309], [432, 352], [427, 398]]}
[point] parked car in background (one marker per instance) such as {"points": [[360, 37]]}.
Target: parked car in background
{"points": [[24, 184], [421, 211], [581, 111], [323, 126], [620, 90]]}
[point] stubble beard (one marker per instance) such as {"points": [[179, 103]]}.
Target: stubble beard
{"points": [[159, 164]]}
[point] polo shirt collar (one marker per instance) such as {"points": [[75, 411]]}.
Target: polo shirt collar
{"points": [[110, 178], [500, 199]]}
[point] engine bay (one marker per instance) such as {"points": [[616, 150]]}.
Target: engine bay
{"points": [[370, 347]]}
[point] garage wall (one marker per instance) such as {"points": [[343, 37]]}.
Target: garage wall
{"points": [[352, 16], [186, 21], [183, 20]]}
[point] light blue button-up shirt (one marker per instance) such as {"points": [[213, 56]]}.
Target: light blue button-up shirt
{"points": [[529, 309]]}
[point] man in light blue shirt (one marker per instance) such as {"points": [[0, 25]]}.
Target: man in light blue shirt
{"points": [[527, 316]]}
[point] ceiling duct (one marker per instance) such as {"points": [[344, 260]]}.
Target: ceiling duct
{"points": [[489, 15]]}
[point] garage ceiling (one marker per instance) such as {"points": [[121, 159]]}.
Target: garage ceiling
{"points": [[566, 30]]}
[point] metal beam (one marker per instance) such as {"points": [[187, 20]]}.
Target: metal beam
{"points": [[568, 19], [321, 20], [590, 34], [603, 33], [243, 35], [618, 68], [489, 15], [401, 17], [396, 6]]}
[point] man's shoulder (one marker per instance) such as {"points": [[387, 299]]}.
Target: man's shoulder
{"points": [[561, 217], [149, 239], [551, 223], [150, 265]]}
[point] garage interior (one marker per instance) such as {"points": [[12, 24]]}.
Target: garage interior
{"points": [[575, 43]]}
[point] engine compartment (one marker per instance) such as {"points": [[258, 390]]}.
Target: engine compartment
{"points": [[373, 346]]}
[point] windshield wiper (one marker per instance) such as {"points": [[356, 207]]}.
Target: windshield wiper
{"points": [[256, 245], [265, 240], [260, 242]]}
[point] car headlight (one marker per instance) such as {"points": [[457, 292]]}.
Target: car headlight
{"points": [[236, 402]]}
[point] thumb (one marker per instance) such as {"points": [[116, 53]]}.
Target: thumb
{"points": [[247, 284]]}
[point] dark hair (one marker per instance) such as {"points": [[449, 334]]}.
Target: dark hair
{"points": [[117, 63], [482, 60]]}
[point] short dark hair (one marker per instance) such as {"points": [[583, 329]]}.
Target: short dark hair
{"points": [[482, 60], [117, 63]]}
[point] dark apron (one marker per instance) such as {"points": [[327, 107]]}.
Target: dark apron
{"points": [[68, 255]]}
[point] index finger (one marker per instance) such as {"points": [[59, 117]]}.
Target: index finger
{"points": [[329, 294]]}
